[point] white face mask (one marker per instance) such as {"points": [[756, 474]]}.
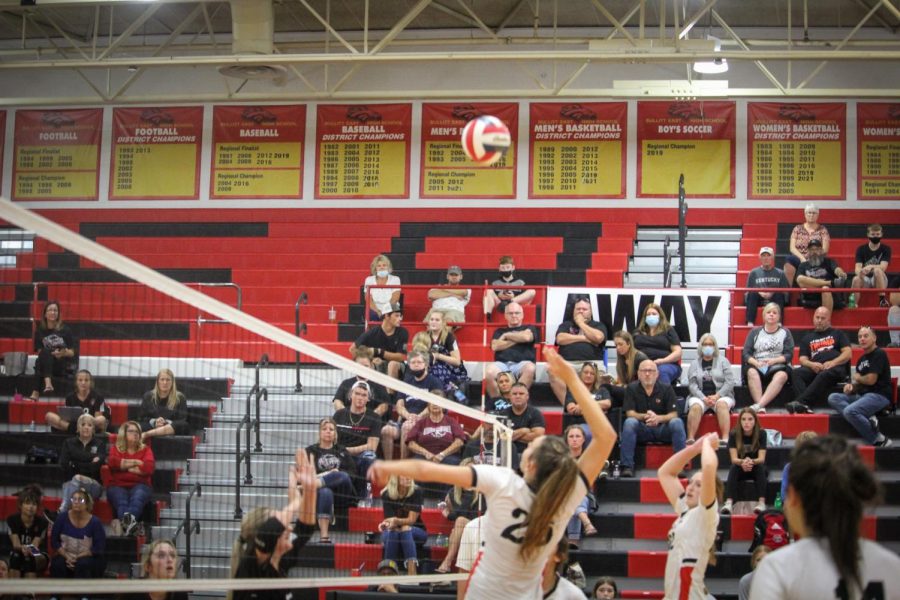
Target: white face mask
{"points": [[382, 274], [707, 350]]}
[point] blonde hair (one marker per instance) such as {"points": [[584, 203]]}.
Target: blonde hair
{"points": [[85, 417], [421, 342], [379, 258], [174, 395], [122, 438], [442, 336], [457, 491], [148, 550], [243, 545], [392, 489]]}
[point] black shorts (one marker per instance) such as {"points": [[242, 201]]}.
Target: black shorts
{"points": [[24, 561]]}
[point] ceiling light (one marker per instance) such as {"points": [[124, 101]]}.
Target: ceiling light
{"points": [[715, 66]]}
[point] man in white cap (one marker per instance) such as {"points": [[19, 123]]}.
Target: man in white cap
{"points": [[450, 299], [767, 275]]}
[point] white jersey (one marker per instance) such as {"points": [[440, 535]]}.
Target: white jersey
{"points": [[804, 571], [470, 544], [691, 537], [500, 571], [564, 590]]}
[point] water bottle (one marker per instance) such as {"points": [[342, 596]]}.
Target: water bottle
{"points": [[367, 500], [851, 301], [441, 540], [778, 501], [615, 472], [332, 315]]}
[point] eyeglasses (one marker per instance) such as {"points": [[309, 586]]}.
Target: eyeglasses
{"points": [[78, 500]]}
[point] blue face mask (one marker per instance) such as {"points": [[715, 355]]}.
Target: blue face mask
{"points": [[652, 320], [381, 274], [707, 350]]}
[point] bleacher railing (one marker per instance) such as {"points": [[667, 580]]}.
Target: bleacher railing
{"points": [[247, 423]]}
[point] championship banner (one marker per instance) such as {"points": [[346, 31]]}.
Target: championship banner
{"points": [[796, 151], [577, 150], [695, 138], [446, 171], [878, 151], [56, 154], [692, 313], [257, 151], [156, 153], [362, 151]]}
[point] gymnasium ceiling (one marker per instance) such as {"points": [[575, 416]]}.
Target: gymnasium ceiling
{"points": [[129, 50]]}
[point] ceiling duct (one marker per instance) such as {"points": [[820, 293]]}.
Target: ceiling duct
{"points": [[252, 29]]}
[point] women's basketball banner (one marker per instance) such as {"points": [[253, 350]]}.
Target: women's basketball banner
{"points": [[56, 154], [577, 150], [362, 150], [257, 151], [446, 171], [796, 151], [156, 153], [878, 150], [691, 138]]}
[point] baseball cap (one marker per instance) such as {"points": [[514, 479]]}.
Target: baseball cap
{"points": [[454, 270], [766, 250], [814, 242], [267, 535], [391, 308], [388, 564]]}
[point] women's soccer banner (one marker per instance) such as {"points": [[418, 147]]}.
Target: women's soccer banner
{"points": [[878, 150]]}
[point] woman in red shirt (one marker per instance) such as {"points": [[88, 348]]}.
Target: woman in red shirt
{"points": [[131, 464]]}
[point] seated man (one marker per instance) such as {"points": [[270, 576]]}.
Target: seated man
{"points": [[358, 430], [824, 362], [767, 275], [514, 351], [872, 260], [388, 342], [380, 403], [500, 297], [868, 392], [449, 299], [819, 271], [526, 421], [651, 416], [580, 340]]}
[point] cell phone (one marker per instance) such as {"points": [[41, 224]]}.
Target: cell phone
{"points": [[35, 551]]}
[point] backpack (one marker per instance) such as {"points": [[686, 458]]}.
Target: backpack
{"points": [[771, 529]]}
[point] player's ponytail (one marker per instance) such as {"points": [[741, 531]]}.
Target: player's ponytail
{"points": [[555, 476]]}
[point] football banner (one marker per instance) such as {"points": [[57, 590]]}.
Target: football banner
{"points": [[446, 171], [796, 151], [878, 150], [691, 138], [56, 154]]}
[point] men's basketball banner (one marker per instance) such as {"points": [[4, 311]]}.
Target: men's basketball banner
{"points": [[878, 150], [691, 312]]}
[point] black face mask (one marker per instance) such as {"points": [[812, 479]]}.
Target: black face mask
{"points": [[417, 372], [508, 275], [875, 240]]}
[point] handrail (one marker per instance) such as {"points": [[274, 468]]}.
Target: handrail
{"points": [[237, 288], [189, 528], [299, 327], [682, 230], [667, 263], [250, 423]]}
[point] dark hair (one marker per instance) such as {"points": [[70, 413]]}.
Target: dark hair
{"points": [[754, 435], [625, 367], [607, 580], [59, 321], [30, 493], [833, 483]]}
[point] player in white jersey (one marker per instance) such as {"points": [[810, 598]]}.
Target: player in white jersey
{"points": [[694, 531], [828, 486], [526, 515]]}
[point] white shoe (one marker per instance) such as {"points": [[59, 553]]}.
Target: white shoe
{"points": [[760, 410], [726, 508], [759, 508]]}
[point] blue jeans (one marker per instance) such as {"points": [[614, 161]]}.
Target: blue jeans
{"points": [[573, 529], [669, 372], [403, 542], [858, 409], [363, 461], [129, 500], [634, 431], [336, 483]]}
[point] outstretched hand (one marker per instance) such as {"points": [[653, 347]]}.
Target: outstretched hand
{"points": [[306, 470], [377, 474], [711, 439]]}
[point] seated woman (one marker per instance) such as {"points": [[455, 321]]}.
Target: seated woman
{"points": [[658, 340], [605, 588], [436, 437], [85, 398], [131, 465], [590, 375], [581, 520], [446, 363], [79, 541], [408, 408], [56, 349], [402, 527], [164, 408], [335, 469], [747, 450], [767, 355], [27, 535], [801, 235], [505, 380], [380, 298], [627, 360], [711, 384], [459, 507], [81, 458]]}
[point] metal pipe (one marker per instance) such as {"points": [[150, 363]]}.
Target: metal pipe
{"points": [[298, 327]]}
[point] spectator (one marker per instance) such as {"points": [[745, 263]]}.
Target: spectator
{"points": [[27, 535], [480, 448], [381, 299], [580, 340], [747, 580], [830, 486], [554, 585], [605, 588], [627, 360], [81, 458], [801, 236], [459, 507], [358, 429], [513, 348], [335, 469], [408, 407], [436, 437], [159, 560], [164, 408], [402, 527], [526, 421], [499, 298], [131, 465], [747, 450], [504, 380], [388, 342], [581, 520], [470, 548], [650, 415], [766, 358], [79, 541], [380, 402], [824, 362], [872, 260], [711, 384], [893, 319], [445, 362], [767, 275], [658, 340], [57, 350], [802, 438], [819, 271], [451, 300], [868, 392], [591, 376], [86, 399], [386, 568]]}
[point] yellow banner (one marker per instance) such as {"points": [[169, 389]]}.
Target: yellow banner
{"points": [[466, 180], [39, 158], [803, 169], [576, 168], [232, 155], [706, 165], [154, 170], [880, 169], [355, 168], [245, 184], [57, 186]]}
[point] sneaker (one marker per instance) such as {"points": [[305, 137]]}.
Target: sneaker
{"points": [[604, 473], [761, 507], [129, 524], [723, 443], [760, 410], [883, 441], [883, 303], [797, 408], [689, 441], [726, 508], [874, 422], [627, 472]]}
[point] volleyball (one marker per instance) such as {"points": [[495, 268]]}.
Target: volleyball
{"points": [[485, 139]]}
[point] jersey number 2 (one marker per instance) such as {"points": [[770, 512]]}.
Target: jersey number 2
{"points": [[510, 532], [874, 591]]}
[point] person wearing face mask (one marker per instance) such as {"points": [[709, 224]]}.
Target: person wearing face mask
{"points": [[711, 384], [380, 298], [819, 271], [659, 341], [500, 297], [872, 260]]}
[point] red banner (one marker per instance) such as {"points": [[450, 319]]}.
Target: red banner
{"points": [[156, 153], [691, 138], [257, 151], [446, 172], [796, 151], [577, 150], [56, 154], [362, 151], [878, 150]]}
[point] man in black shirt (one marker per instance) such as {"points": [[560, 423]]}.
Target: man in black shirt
{"points": [[872, 260], [526, 421], [514, 351], [580, 340], [824, 362], [651, 416], [358, 431], [380, 402], [819, 271], [388, 341], [766, 275]]}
